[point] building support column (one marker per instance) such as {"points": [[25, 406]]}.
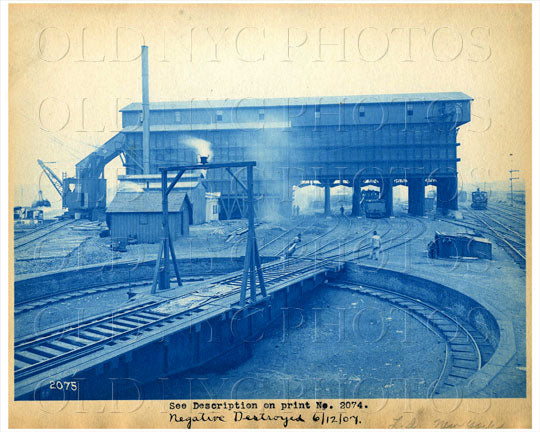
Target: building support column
{"points": [[356, 197], [388, 196], [285, 205], [441, 194], [327, 209], [417, 200], [453, 193], [447, 193]]}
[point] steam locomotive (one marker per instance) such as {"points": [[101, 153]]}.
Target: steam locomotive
{"points": [[479, 200]]}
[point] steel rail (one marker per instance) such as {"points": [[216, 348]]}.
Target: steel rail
{"points": [[504, 226], [294, 228], [42, 233], [428, 320], [314, 240], [341, 244], [23, 348], [497, 234]]}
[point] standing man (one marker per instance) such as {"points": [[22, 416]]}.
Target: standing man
{"points": [[342, 210], [375, 246]]}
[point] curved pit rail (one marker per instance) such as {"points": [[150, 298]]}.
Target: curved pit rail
{"points": [[466, 349]]}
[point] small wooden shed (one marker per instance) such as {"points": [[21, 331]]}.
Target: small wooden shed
{"points": [[192, 183], [138, 215]]}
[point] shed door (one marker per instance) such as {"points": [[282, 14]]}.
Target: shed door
{"points": [[185, 221]]}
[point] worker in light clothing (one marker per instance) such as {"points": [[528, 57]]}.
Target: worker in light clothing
{"points": [[292, 246], [375, 246]]}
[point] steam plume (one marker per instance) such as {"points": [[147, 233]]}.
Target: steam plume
{"points": [[203, 147]]}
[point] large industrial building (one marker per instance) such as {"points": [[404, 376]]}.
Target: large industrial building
{"points": [[381, 140]]}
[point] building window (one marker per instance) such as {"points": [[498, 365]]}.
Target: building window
{"points": [[317, 111], [143, 219], [215, 209], [261, 115], [219, 116], [177, 116], [409, 110], [361, 111]]}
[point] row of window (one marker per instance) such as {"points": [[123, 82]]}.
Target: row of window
{"points": [[219, 113], [218, 117], [443, 109]]}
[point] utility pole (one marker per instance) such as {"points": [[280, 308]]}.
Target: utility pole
{"points": [[512, 178]]}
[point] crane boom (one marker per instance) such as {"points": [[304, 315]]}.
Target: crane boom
{"points": [[56, 182]]}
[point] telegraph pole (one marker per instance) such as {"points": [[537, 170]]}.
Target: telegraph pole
{"points": [[512, 178]]}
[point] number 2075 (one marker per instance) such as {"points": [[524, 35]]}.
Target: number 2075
{"points": [[63, 385]]}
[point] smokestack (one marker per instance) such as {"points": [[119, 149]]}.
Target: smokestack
{"points": [[146, 111]]}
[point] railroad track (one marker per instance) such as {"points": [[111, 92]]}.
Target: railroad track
{"points": [[467, 350], [238, 238], [509, 239], [23, 232], [504, 226], [70, 294], [289, 232], [395, 241], [517, 213], [507, 226], [341, 244], [286, 233], [56, 347], [233, 240], [35, 303], [313, 241], [28, 238]]}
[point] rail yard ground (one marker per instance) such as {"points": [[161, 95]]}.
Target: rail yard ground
{"points": [[498, 284]]}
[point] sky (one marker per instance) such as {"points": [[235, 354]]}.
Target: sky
{"points": [[71, 67]]}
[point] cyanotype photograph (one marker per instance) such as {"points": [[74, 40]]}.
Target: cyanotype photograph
{"points": [[270, 215]]}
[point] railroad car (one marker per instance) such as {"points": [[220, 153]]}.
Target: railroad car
{"points": [[516, 196], [375, 208], [459, 246], [479, 200], [370, 195], [27, 215]]}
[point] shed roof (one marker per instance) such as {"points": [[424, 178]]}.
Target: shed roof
{"points": [[148, 201], [300, 101]]}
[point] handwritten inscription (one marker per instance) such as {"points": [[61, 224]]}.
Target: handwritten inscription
{"points": [[291, 414], [199, 417]]}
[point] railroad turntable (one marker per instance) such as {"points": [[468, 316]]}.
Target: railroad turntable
{"points": [[207, 330]]}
